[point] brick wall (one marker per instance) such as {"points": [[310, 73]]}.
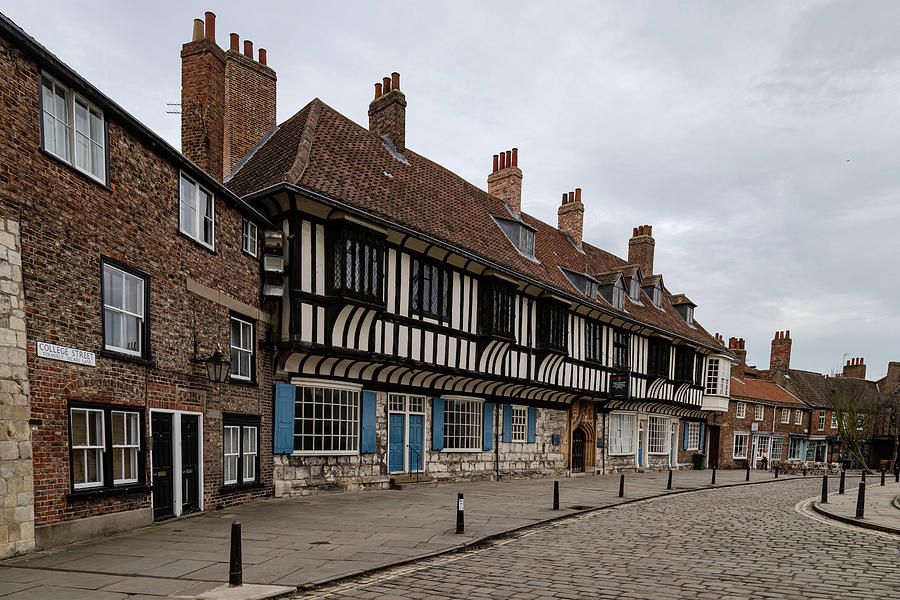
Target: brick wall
{"points": [[249, 106], [203, 105], [67, 221]]}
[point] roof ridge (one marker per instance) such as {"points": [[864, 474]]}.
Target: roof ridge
{"points": [[304, 148]]}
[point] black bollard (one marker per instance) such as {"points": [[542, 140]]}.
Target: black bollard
{"points": [[776, 471], [861, 500], [882, 477], [713, 482], [669, 485], [555, 495], [863, 474], [748, 474], [622, 485], [236, 571], [896, 475], [460, 514], [841, 488], [824, 489]]}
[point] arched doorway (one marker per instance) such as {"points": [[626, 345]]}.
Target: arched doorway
{"points": [[578, 443]]}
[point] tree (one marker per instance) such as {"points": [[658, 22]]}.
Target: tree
{"points": [[856, 407], [888, 409]]}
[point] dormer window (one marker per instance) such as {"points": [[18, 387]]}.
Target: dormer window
{"points": [[653, 287], [656, 296], [634, 290], [582, 282], [611, 287], [618, 295], [520, 234], [684, 307], [633, 280]]}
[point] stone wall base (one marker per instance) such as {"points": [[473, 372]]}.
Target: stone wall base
{"points": [[47, 536]]}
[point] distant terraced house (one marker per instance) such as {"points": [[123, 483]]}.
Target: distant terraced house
{"points": [[285, 309]]}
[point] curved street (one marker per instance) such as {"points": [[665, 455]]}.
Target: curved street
{"points": [[738, 542]]}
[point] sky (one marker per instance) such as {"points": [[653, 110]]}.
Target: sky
{"points": [[761, 140]]}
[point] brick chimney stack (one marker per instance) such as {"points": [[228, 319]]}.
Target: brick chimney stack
{"points": [[893, 375], [571, 216], [505, 180], [855, 367], [640, 248], [737, 347], [387, 112], [780, 358], [227, 99]]}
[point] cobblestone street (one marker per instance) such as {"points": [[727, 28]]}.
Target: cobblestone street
{"points": [[740, 542]]}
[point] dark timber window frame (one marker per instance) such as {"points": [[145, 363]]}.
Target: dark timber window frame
{"points": [[620, 350], [593, 340], [431, 288], [552, 325], [356, 261], [658, 357], [685, 364], [496, 308]]}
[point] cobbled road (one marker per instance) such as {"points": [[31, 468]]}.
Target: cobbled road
{"points": [[741, 542]]}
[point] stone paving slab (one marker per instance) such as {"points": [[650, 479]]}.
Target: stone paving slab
{"points": [[881, 510], [298, 541]]}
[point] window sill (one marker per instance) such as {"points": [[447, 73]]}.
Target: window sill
{"points": [[620, 453], [81, 173], [197, 242], [138, 360], [244, 382], [465, 450], [105, 492], [240, 487]]}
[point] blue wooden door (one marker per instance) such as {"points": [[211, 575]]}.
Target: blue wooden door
{"points": [[416, 447], [396, 442], [641, 447], [672, 450]]}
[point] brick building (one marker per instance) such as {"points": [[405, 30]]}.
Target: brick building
{"points": [[124, 263], [378, 315]]}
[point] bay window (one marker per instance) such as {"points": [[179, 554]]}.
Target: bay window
{"points": [[718, 374]]}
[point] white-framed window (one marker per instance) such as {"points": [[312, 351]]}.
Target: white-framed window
{"points": [[231, 450], [74, 130], [822, 420], [657, 436], [834, 421], [326, 418], [197, 217], [249, 237], [621, 432], [126, 445], [798, 417], [88, 446], [740, 410], [785, 416], [740, 445], [718, 373], [240, 449], [519, 423], [124, 310], [776, 448], [242, 346], [759, 412], [462, 424], [693, 436]]}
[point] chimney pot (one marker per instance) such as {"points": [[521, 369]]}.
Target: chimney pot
{"points": [[508, 158], [262, 56], [248, 49], [571, 197], [515, 157], [395, 81], [564, 198], [387, 84], [577, 194], [496, 163], [197, 34], [848, 363], [640, 250], [788, 334], [635, 235], [502, 160], [210, 25], [377, 91], [235, 41], [649, 229]]}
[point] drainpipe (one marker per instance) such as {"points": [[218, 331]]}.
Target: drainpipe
{"points": [[497, 426], [603, 449]]}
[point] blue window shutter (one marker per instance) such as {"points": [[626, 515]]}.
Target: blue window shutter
{"points": [[367, 427], [701, 437], [285, 400], [686, 429], [488, 427], [437, 424], [532, 424], [507, 423]]}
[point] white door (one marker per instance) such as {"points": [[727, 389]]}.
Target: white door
{"points": [[762, 447]]}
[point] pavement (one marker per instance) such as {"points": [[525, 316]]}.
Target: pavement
{"points": [[881, 507], [303, 542]]}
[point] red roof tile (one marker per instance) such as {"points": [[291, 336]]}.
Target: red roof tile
{"points": [[761, 389]]}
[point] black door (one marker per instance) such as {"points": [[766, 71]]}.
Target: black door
{"points": [[713, 458], [163, 491], [578, 440], [190, 464]]}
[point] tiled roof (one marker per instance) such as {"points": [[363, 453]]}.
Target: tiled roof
{"points": [[812, 388], [761, 389], [321, 149]]}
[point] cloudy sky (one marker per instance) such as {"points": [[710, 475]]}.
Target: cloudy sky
{"points": [[760, 139]]}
